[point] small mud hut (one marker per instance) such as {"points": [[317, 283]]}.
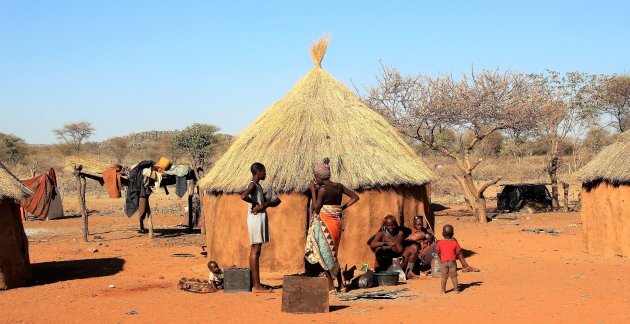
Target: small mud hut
{"points": [[606, 200], [320, 117], [15, 267]]}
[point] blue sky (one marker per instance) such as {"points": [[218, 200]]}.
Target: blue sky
{"points": [[129, 66]]}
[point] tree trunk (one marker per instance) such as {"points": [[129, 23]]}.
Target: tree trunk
{"points": [[553, 175], [469, 198], [470, 184], [565, 192], [481, 200], [481, 210]]}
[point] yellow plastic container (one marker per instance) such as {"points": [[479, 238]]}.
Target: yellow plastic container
{"points": [[163, 164]]}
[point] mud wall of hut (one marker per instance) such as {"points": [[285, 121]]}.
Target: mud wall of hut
{"points": [[226, 226], [606, 218], [15, 268]]}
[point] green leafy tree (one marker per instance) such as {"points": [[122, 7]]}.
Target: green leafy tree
{"points": [[12, 148], [196, 142]]}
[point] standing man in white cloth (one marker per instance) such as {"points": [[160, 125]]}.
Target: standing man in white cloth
{"points": [[257, 221]]}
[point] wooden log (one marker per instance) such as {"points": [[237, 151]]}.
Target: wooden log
{"points": [[565, 189]]}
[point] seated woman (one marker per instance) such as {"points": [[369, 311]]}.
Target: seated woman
{"points": [[419, 244], [387, 243]]}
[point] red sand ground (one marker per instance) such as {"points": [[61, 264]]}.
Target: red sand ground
{"points": [[525, 277]]}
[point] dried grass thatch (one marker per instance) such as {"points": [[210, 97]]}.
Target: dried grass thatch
{"points": [[318, 50], [611, 164], [10, 186], [318, 118], [89, 166]]}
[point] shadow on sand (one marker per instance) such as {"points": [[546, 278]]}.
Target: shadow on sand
{"points": [[50, 272], [437, 207], [334, 308], [174, 232], [468, 253], [464, 286]]}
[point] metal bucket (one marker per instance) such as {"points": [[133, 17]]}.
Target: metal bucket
{"points": [[387, 278]]}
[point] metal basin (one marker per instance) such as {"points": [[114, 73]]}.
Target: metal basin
{"points": [[387, 278]]}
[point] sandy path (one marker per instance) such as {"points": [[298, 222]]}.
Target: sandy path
{"points": [[526, 277]]}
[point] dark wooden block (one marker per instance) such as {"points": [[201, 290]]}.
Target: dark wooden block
{"points": [[302, 294], [237, 280]]}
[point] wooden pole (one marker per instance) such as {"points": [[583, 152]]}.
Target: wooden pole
{"points": [[81, 192], [84, 214], [191, 212], [565, 189], [202, 217]]}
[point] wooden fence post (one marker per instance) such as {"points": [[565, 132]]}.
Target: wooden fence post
{"points": [[565, 189], [81, 192]]}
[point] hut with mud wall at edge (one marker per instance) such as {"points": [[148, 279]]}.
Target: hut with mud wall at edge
{"points": [[15, 267], [319, 117], [606, 200]]}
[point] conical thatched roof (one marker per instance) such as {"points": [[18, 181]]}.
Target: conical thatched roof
{"points": [[611, 164], [320, 117], [10, 186]]}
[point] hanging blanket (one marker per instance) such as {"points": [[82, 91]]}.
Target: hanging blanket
{"points": [[43, 188], [322, 241]]}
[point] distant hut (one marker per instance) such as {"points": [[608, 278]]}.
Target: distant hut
{"points": [[15, 267], [318, 118], [606, 199]]}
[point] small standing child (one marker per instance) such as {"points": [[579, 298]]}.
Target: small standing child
{"points": [[216, 275], [257, 221], [449, 251]]}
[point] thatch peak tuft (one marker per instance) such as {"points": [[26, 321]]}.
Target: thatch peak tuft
{"points": [[318, 50]]}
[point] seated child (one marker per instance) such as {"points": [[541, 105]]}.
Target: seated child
{"points": [[216, 275], [449, 251]]}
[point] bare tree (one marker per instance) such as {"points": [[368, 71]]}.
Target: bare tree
{"points": [[568, 110], [73, 134], [480, 104], [614, 100]]}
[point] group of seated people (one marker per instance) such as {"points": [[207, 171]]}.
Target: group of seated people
{"points": [[414, 248]]}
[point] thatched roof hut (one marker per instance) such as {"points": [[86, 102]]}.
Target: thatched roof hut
{"points": [[612, 164], [15, 267], [319, 117], [606, 199]]}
